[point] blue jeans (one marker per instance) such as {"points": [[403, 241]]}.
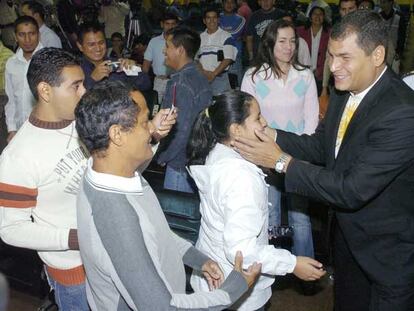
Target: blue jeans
{"points": [[220, 84], [237, 69], [179, 180], [69, 298], [298, 218]]}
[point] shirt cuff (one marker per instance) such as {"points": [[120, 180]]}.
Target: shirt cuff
{"points": [[194, 258], [12, 128], [235, 285]]}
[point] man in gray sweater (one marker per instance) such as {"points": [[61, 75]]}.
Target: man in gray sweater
{"points": [[133, 261]]}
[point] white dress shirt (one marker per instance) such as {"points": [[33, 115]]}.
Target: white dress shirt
{"points": [[303, 52], [21, 100], [49, 38], [316, 40], [355, 100]]}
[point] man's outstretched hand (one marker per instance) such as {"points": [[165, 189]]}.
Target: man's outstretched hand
{"points": [[263, 151]]}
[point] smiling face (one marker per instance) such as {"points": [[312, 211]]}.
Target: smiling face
{"points": [[138, 139], [285, 45], [93, 46], [351, 67], [211, 21], [172, 53]]}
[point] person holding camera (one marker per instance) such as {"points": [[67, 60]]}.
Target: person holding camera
{"points": [[97, 66], [217, 52]]}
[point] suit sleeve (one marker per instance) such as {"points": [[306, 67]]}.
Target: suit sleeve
{"points": [[388, 151], [308, 148]]}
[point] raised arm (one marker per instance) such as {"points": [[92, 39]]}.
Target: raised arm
{"points": [[144, 283], [388, 151]]}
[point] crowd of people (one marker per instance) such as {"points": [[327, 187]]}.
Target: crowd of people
{"points": [[239, 124]]}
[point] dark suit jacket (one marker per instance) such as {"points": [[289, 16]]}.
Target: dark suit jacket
{"points": [[371, 182]]}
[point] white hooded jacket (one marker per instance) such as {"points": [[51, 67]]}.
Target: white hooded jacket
{"points": [[234, 209]]}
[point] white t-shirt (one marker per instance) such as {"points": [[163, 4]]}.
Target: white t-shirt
{"points": [[212, 44]]}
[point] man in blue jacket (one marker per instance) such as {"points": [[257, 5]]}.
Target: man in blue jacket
{"points": [[189, 91]]}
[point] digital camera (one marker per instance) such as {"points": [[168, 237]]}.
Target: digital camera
{"points": [[114, 66]]}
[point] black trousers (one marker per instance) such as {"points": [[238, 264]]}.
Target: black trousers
{"points": [[354, 291]]}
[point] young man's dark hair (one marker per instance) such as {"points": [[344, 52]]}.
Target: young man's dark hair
{"points": [[89, 27], [93, 129], [143, 39], [211, 8], [371, 4], [25, 20], [187, 38], [47, 65], [369, 27], [169, 16], [340, 1], [116, 35], [35, 7]]}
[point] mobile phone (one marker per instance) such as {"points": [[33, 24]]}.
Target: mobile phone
{"points": [[172, 109], [220, 55]]}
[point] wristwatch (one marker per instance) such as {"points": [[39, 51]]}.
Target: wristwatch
{"points": [[281, 163]]}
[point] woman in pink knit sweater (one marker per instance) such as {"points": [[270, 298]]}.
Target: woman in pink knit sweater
{"points": [[287, 95]]}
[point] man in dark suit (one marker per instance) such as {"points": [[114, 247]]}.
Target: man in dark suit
{"points": [[361, 160]]}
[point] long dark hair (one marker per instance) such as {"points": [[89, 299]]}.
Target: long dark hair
{"points": [[325, 24], [265, 55], [213, 124]]}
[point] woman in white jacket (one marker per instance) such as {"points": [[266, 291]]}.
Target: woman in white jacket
{"points": [[234, 203]]}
